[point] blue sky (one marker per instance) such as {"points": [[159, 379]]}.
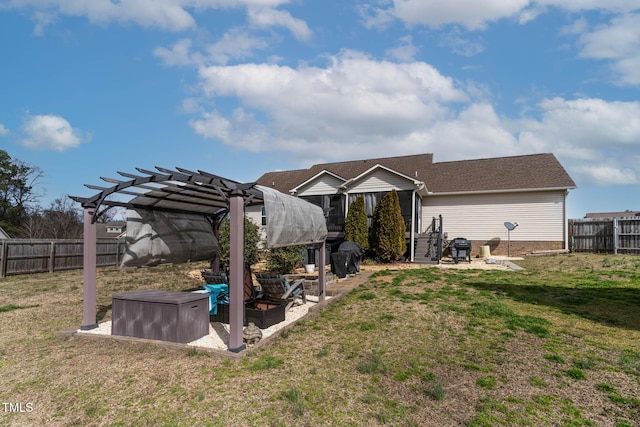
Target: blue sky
{"points": [[242, 87]]}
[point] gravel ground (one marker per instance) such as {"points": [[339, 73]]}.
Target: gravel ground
{"points": [[218, 337]]}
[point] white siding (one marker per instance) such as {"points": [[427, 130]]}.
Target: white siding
{"points": [[324, 184], [540, 215], [381, 180], [254, 213]]}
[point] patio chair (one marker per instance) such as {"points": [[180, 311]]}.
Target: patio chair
{"points": [[276, 288], [251, 292]]}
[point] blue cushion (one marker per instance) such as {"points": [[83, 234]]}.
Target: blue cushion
{"points": [[218, 292]]}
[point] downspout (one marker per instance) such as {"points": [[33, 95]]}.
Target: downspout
{"points": [[346, 206], [615, 236], [566, 221], [413, 225], [322, 261]]}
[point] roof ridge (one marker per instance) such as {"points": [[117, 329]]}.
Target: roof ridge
{"points": [[494, 158]]}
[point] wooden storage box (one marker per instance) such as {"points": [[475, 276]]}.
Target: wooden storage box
{"points": [[262, 314], [160, 315]]}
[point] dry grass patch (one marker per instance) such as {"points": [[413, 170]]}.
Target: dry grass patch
{"points": [[423, 347]]}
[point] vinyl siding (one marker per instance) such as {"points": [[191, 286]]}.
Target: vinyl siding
{"points": [[540, 215], [381, 180], [254, 213], [324, 184]]}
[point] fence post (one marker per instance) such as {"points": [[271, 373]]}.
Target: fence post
{"points": [[52, 256], [3, 260]]}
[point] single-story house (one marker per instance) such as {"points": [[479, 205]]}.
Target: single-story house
{"points": [[474, 198], [4, 235]]}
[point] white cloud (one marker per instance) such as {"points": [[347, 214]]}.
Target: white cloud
{"points": [[612, 6], [353, 105], [49, 132], [579, 26], [352, 100], [177, 54], [477, 14], [3, 130], [170, 15], [235, 44], [262, 17], [619, 42], [167, 15], [472, 14], [357, 107], [459, 44], [405, 51], [585, 132]]}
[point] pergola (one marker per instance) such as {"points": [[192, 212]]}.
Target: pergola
{"points": [[182, 191]]}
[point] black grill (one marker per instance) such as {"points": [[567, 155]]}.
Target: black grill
{"points": [[460, 248]]}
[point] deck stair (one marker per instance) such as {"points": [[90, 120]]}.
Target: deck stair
{"points": [[428, 245], [426, 251]]}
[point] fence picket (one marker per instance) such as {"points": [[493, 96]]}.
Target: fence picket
{"points": [[26, 256], [611, 235]]}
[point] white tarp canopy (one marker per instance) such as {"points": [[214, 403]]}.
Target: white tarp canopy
{"points": [[156, 237], [291, 220]]}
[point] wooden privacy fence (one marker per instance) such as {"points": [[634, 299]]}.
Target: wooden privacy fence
{"points": [[614, 235], [25, 256]]}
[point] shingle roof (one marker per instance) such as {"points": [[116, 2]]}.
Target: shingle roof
{"points": [[536, 171], [285, 181], [596, 215]]}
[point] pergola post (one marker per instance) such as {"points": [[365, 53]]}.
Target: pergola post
{"points": [[321, 274], [89, 272], [236, 273]]}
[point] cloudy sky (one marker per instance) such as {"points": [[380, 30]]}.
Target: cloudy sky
{"points": [[241, 87]]}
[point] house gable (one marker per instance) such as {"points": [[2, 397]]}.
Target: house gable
{"points": [[410, 166], [323, 183], [381, 178]]}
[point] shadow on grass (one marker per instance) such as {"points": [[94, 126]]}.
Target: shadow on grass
{"points": [[102, 311], [619, 307]]}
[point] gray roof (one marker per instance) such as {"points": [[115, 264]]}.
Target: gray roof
{"points": [[624, 214], [529, 172]]}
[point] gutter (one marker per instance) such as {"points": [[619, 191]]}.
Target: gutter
{"points": [[519, 190]]}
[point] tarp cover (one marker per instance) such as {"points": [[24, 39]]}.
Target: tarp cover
{"points": [[156, 237], [355, 253], [291, 220]]}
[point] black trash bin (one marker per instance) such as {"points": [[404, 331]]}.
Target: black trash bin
{"points": [[339, 261]]}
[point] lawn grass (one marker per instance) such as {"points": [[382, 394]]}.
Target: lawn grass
{"points": [[557, 343]]}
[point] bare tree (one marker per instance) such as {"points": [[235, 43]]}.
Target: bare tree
{"points": [[18, 191]]}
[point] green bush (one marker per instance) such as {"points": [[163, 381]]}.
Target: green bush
{"points": [[387, 238], [284, 260], [356, 228], [251, 242]]}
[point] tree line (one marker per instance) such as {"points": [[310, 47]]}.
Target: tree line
{"points": [[22, 216]]}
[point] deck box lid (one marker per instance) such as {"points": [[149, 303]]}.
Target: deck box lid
{"points": [[158, 296]]}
